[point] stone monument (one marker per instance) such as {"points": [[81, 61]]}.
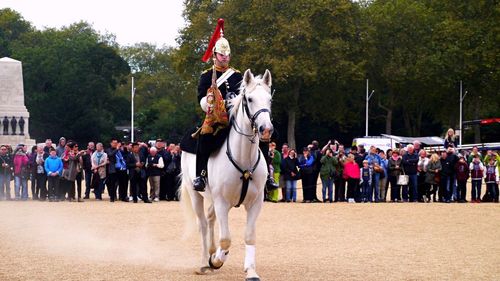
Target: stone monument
{"points": [[12, 108]]}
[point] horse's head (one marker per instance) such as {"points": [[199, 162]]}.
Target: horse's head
{"points": [[256, 95]]}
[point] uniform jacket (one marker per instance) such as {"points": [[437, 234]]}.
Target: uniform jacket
{"points": [[231, 85]]}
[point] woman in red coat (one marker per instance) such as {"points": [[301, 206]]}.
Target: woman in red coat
{"points": [[351, 175]]}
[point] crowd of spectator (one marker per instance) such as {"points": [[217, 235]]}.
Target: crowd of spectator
{"points": [[347, 174], [124, 169], [413, 174]]}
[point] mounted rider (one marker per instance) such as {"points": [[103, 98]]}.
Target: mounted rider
{"points": [[213, 90]]}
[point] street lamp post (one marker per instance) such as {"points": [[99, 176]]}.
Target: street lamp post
{"points": [[132, 92], [462, 97], [368, 97]]}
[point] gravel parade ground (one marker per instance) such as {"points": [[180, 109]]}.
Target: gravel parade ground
{"points": [[125, 241]]}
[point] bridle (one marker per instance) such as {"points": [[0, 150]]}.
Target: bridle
{"points": [[246, 175], [250, 116]]}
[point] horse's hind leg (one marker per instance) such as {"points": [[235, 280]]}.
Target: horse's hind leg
{"points": [[211, 229], [253, 212], [221, 255]]}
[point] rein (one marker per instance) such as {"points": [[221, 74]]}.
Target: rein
{"points": [[246, 175]]}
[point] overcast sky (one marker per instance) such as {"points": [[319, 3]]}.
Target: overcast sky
{"points": [[152, 21]]}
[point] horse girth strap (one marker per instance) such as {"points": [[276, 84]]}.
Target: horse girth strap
{"points": [[246, 176]]}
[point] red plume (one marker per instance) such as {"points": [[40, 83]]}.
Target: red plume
{"points": [[218, 32]]}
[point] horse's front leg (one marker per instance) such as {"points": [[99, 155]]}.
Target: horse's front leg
{"points": [[211, 229], [253, 212], [220, 256], [197, 201]]}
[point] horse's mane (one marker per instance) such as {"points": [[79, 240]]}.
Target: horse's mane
{"points": [[234, 104]]}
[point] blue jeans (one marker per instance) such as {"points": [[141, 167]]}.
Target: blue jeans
{"points": [[413, 187], [4, 186], [375, 188], [88, 181], [366, 191], [327, 183], [455, 190], [447, 185], [476, 189], [291, 190], [491, 188], [18, 182]]}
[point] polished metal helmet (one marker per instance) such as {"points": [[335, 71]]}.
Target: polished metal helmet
{"points": [[222, 47]]}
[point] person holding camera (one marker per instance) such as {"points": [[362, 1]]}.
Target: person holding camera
{"points": [[328, 173]]}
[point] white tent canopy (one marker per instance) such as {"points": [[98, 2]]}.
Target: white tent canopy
{"points": [[428, 141]]}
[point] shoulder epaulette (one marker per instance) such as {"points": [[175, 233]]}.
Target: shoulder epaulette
{"points": [[235, 70], [206, 70]]}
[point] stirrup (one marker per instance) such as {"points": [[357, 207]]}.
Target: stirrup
{"points": [[199, 183]]}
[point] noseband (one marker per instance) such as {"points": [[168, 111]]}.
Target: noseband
{"points": [[253, 117]]}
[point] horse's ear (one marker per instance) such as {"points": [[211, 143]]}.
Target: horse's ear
{"points": [[268, 80], [248, 77]]}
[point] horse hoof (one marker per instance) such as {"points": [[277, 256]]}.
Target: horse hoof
{"points": [[252, 279], [204, 270], [210, 263]]}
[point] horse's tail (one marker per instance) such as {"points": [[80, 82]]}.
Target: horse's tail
{"points": [[186, 203]]}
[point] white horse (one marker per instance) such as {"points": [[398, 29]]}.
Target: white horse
{"points": [[238, 160]]}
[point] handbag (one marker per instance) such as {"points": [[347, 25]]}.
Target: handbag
{"points": [[437, 178], [378, 169], [403, 179]]}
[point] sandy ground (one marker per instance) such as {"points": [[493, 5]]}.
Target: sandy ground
{"points": [[126, 241]]}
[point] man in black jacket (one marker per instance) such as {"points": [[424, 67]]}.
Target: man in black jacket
{"points": [[137, 174], [112, 177], [160, 146], [448, 173], [410, 163]]}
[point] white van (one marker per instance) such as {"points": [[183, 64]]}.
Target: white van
{"points": [[381, 143]]}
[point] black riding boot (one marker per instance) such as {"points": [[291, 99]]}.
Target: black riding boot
{"points": [[200, 181]]}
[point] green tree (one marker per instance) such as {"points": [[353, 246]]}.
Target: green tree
{"points": [[70, 77], [301, 42], [12, 26], [165, 107]]}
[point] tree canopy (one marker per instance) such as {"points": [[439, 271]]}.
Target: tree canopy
{"points": [[320, 53]]}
